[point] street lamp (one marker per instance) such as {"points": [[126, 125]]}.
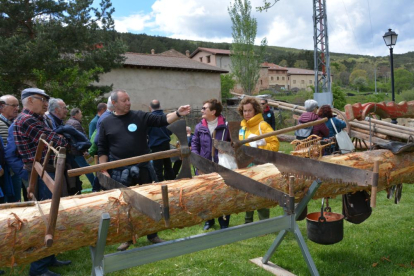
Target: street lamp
{"points": [[390, 39]]}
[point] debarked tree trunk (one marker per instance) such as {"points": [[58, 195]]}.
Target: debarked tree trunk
{"points": [[191, 202]]}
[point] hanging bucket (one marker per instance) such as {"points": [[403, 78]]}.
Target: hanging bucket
{"points": [[325, 227]]}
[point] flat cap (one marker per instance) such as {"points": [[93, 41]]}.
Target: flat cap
{"points": [[33, 91]]}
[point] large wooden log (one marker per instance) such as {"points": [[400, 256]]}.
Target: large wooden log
{"points": [[192, 201]]}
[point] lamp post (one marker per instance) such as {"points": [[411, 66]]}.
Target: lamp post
{"points": [[390, 39]]}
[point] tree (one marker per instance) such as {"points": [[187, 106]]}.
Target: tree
{"points": [[227, 83], [283, 63], [404, 80], [61, 46], [301, 64], [360, 83], [339, 100], [357, 73], [245, 57]]}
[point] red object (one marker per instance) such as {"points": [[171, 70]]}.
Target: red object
{"points": [[384, 110]]}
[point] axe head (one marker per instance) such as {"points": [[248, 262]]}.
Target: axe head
{"points": [[179, 129]]}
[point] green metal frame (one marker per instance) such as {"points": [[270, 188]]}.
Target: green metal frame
{"points": [[102, 264]]}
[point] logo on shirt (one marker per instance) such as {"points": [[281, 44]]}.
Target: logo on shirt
{"points": [[268, 115], [132, 127]]}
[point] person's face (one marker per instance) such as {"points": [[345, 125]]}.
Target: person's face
{"points": [[11, 108], [78, 116], [248, 111], [39, 104], [208, 114], [61, 112], [123, 105], [264, 104]]}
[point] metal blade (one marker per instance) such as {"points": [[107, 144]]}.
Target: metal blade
{"points": [[141, 203], [242, 159], [306, 167], [239, 181], [224, 146]]}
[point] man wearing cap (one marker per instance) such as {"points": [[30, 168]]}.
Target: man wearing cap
{"points": [[123, 134], [28, 128]]}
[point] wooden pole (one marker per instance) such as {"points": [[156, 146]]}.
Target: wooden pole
{"points": [[191, 201], [124, 162]]}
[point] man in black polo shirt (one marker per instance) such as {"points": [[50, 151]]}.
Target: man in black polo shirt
{"points": [[123, 134]]}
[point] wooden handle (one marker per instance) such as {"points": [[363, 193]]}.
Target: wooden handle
{"points": [[375, 185], [166, 205], [124, 162], [281, 131], [291, 184]]}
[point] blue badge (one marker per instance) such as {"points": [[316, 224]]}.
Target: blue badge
{"points": [[241, 131], [268, 115], [132, 127]]}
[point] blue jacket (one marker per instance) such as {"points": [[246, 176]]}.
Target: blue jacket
{"points": [[13, 159], [98, 124], [158, 135], [77, 139], [339, 124]]}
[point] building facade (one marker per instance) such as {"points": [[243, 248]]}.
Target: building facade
{"points": [[170, 77]]}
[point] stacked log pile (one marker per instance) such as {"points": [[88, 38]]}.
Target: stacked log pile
{"points": [[191, 202]]}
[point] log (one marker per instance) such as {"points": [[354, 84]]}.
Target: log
{"points": [[192, 201], [374, 134]]}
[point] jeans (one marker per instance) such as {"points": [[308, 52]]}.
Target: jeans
{"points": [[41, 266], [264, 213], [17, 187], [163, 167], [80, 160]]}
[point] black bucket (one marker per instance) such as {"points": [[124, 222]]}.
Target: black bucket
{"points": [[325, 227]]}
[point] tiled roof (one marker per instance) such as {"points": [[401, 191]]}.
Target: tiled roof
{"points": [[211, 51], [273, 66], [169, 60], [299, 71]]}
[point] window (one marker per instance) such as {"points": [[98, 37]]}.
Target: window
{"points": [[201, 59], [294, 81], [310, 81], [283, 78], [302, 82], [271, 78], [261, 82], [208, 59], [277, 78]]}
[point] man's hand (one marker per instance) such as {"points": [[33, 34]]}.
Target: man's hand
{"points": [[106, 173], [1, 172], [184, 110]]}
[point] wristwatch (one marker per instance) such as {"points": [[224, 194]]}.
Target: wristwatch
{"points": [[178, 114]]}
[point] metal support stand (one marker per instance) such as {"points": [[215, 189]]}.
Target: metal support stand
{"points": [[102, 264]]}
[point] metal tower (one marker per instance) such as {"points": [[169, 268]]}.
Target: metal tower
{"points": [[323, 93]]}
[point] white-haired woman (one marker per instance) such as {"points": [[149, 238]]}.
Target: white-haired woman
{"points": [[311, 115]]}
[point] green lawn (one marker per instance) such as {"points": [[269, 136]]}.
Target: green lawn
{"points": [[382, 245]]}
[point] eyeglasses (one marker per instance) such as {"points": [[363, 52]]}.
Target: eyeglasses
{"points": [[13, 105], [204, 108], [41, 99]]}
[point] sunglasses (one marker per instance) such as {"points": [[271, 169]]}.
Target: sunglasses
{"points": [[263, 103], [41, 99], [204, 108]]}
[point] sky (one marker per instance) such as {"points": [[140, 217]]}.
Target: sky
{"points": [[354, 26]]}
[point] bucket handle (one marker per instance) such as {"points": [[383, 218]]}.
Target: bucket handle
{"points": [[322, 218]]}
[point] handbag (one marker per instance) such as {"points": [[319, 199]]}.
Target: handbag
{"points": [[356, 206], [344, 142]]}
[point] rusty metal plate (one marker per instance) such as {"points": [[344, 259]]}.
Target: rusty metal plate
{"points": [[139, 202]]}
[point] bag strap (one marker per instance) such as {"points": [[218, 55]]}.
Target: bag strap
{"points": [[332, 122]]}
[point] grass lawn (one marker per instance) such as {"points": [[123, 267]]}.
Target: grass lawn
{"points": [[382, 245]]}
